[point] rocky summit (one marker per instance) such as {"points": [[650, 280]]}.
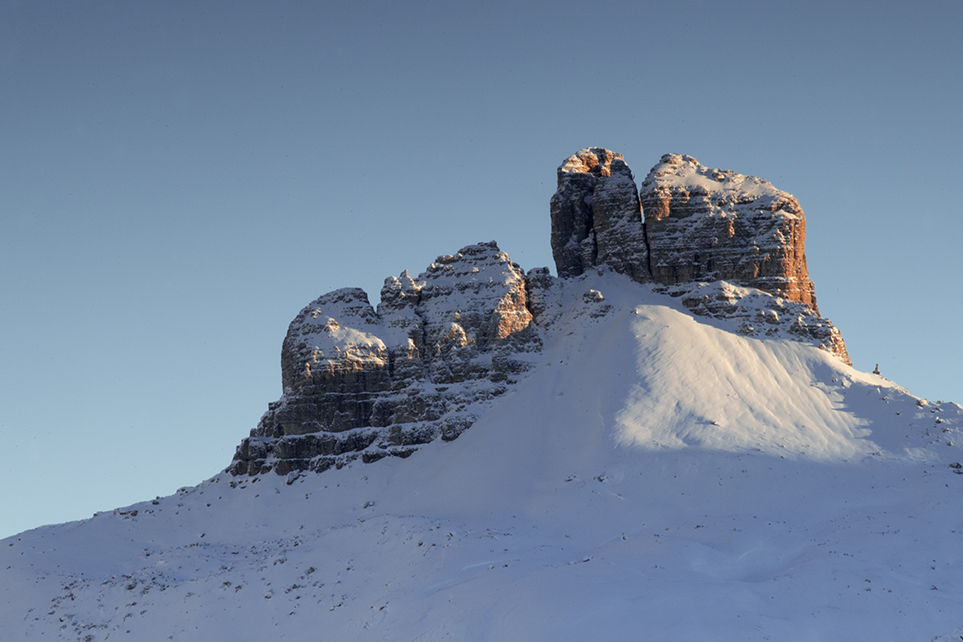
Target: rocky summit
{"points": [[710, 236], [687, 224], [360, 383], [716, 225]]}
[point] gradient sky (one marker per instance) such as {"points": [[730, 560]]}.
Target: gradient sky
{"points": [[178, 179]]}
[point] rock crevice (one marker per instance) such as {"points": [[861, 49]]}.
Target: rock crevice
{"points": [[689, 225]]}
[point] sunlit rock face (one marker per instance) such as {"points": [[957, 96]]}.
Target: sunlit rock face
{"points": [[716, 225], [697, 227], [597, 218], [688, 223], [360, 383]]}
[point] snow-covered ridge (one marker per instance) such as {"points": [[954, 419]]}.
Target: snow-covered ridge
{"points": [[653, 473], [755, 313]]}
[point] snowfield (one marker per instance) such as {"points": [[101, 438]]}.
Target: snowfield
{"points": [[656, 477]]}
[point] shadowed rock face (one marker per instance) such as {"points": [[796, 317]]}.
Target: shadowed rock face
{"points": [[715, 225], [365, 383], [597, 218]]}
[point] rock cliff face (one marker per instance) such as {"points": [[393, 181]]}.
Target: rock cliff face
{"points": [[365, 383], [597, 218], [715, 225], [361, 383], [697, 226]]}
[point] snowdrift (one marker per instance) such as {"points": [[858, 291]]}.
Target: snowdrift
{"points": [[657, 476]]}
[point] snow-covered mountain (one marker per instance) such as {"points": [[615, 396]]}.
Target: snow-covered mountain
{"points": [[662, 462]]}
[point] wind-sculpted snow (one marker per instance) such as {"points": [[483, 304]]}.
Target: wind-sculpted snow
{"points": [[739, 394], [655, 475]]}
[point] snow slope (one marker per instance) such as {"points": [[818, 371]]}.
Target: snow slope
{"points": [[657, 477]]}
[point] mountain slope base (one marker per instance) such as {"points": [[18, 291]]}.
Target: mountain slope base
{"points": [[655, 477]]}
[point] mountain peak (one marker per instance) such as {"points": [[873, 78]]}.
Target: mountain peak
{"points": [[688, 223], [676, 459], [361, 383], [694, 232]]}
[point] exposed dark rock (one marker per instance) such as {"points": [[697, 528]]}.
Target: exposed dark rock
{"points": [[365, 383], [596, 216]]}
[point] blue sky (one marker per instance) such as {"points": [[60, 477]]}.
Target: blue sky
{"points": [[178, 179]]}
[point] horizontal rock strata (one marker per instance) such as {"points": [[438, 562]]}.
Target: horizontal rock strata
{"points": [[715, 225], [360, 383], [690, 226]]}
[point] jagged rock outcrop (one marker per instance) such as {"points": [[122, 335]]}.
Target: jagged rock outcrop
{"points": [[759, 314], [715, 225], [688, 223], [698, 226], [360, 383], [597, 218]]}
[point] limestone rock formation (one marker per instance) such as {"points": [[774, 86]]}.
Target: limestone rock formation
{"points": [[365, 383], [361, 383], [696, 225], [699, 226], [715, 225], [597, 218]]}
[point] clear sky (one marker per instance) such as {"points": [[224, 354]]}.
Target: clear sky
{"points": [[178, 179]]}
